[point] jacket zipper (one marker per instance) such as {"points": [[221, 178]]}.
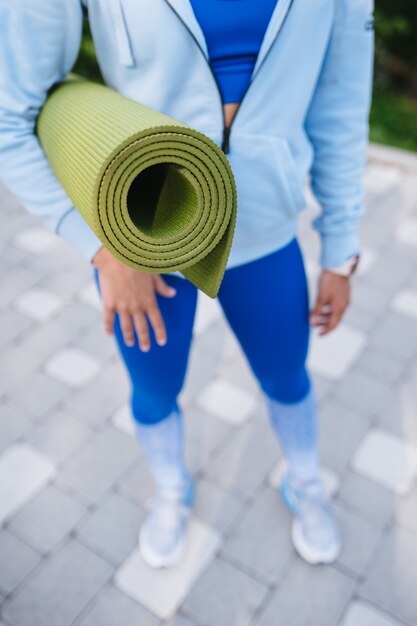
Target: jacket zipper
{"points": [[227, 129]]}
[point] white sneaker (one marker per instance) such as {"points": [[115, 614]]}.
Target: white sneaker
{"points": [[162, 536], [315, 534]]}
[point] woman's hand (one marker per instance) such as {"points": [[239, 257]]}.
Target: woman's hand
{"points": [[332, 300], [131, 294]]}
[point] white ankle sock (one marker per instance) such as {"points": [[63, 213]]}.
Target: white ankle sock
{"points": [[162, 444]]}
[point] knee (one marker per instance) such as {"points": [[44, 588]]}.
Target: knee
{"points": [[151, 409], [287, 389]]}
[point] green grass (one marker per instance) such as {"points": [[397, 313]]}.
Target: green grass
{"points": [[394, 120], [393, 116]]}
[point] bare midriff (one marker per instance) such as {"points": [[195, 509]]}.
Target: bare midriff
{"points": [[229, 111]]}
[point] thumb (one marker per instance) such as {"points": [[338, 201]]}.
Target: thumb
{"points": [[163, 288]]}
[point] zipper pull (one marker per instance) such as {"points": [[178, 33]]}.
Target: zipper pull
{"points": [[226, 138]]}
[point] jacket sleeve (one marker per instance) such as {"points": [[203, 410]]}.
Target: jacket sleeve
{"points": [[337, 124], [39, 43]]}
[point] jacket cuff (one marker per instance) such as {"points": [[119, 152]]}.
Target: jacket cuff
{"points": [[337, 249], [75, 230]]}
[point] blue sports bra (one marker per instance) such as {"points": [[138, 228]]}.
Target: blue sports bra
{"points": [[233, 30]]}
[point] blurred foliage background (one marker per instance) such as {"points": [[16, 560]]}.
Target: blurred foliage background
{"points": [[394, 108]]}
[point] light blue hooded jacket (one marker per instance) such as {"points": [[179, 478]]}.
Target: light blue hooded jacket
{"points": [[305, 111]]}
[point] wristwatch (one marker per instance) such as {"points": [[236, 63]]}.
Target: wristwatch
{"points": [[347, 268]]}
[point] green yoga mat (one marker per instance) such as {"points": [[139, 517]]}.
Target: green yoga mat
{"points": [[160, 195]]}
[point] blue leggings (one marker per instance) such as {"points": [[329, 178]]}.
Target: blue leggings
{"points": [[266, 304]]}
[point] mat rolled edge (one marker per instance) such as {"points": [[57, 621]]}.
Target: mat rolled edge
{"points": [[84, 127]]}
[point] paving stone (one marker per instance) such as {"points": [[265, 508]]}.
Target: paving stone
{"points": [[46, 519], [334, 354], [398, 415], [37, 395], [113, 608], [380, 366], [395, 336], [13, 425], [180, 620], [163, 591], [203, 434], [369, 256], [77, 275], [228, 402], [388, 460], [89, 295], [97, 402], [16, 560], [372, 500], [137, 483], [223, 595], [325, 594], [260, 539], [390, 581], [244, 461], [123, 420], [380, 179], [23, 472], [216, 507], [406, 510], [405, 302], [58, 436], [59, 589], [39, 344], [362, 614], [394, 266], [359, 539], [12, 324], [16, 282], [360, 319], [360, 391], [406, 232], [340, 432], [201, 368], [95, 341], [368, 297], [238, 372], [97, 465], [39, 304], [36, 240], [322, 385], [216, 343], [72, 367], [330, 478], [208, 311], [202, 439], [19, 364], [112, 529]]}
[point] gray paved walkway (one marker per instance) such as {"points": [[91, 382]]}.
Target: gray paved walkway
{"points": [[73, 484]]}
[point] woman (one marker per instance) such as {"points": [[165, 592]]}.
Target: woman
{"points": [[284, 87]]}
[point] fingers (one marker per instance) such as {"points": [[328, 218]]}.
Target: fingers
{"points": [[332, 320], [162, 288], [109, 314], [318, 311], [142, 330], [329, 317], [157, 322], [126, 325]]}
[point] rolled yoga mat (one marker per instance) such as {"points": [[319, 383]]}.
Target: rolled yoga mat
{"points": [[160, 195]]}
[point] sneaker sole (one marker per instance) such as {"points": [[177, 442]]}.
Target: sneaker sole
{"points": [[314, 557]]}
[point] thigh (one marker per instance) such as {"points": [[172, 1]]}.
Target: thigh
{"points": [[157, 376], [266, 303]]}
